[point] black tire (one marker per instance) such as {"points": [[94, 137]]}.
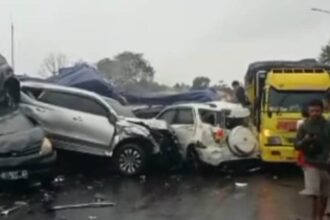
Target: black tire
{"points": [[130, 159]]}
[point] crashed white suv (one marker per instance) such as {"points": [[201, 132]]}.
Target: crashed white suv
{"points": [[203, 136]]}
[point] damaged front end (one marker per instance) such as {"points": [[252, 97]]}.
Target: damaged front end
{"points": [[169, 156]]}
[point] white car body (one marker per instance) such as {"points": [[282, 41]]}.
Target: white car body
{"points": [[195, 133]]}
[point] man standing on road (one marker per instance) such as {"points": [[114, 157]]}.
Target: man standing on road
{"points": [[240, 93], [326, 102], [313, 141]]}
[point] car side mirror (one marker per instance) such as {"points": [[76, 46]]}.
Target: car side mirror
{"points": [[112, 118]]}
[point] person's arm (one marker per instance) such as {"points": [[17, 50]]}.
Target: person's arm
{"points": [[300, 141]]}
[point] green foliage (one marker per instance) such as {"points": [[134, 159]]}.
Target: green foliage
{"points": [[127, 68], [201, 82], [324, 57]]}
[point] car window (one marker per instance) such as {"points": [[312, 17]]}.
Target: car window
{"points": [[207, 116], [119, 108], [168, 116], [70, 101], [32, 92], [184, 116]]}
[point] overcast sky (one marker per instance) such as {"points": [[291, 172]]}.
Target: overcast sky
{"points": [[181, 38]]}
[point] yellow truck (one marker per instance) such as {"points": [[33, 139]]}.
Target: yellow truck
{"points": [[277, 91]]}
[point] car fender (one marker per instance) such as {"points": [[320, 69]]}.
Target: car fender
{"points": [[133, 133]]}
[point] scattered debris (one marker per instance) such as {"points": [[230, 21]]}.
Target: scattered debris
{"points": [[82, 205], [59, 179], [6, 212], [255, 169], [99, 197], [240, 184], [47, 200], [143, 178], [98, 184], [167, 185], [228, 177], [21, 203]]}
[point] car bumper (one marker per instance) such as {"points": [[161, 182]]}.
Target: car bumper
{"points": [[283, 154], [38, 166], [215, 156]]}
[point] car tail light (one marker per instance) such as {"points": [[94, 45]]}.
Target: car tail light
{"points": [[218, 135]]}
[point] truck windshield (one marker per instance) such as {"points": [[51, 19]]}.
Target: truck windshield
{"points": [[291, 101]]}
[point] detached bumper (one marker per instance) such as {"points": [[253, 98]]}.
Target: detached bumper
{"points": [[37, 166]]}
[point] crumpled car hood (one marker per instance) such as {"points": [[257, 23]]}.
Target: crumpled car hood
{"points": [[152, 123], [18, 134]]}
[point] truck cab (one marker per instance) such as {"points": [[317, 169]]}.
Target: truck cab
{"points": [[278, 95]]}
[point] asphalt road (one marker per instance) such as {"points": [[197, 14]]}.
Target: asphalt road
{"points": [[261, 195]]}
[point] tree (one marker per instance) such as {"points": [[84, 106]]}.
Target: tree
{"points": [[201, 82], [324, 57], [52, 63], [127, 68]]}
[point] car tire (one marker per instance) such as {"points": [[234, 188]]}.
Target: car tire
{"points": [[130, 159]]}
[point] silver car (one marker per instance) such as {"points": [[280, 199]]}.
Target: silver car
{"points": [[82, 121]]}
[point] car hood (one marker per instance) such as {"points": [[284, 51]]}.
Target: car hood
{"points": [[18, 134], [152, 123]]}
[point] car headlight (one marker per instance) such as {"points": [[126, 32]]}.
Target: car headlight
{"points": [[46, 147], [272, 139]]}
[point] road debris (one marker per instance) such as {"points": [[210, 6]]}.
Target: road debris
{"points": [[6, 212], [99, 197], [59, 179], [82, 205], [255, 169], [92, 217], [240, 184], [143, 178]]}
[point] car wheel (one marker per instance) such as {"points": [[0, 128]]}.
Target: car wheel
{"points": [[130, 159]]}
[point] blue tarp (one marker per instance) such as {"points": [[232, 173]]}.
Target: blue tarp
{"points": [[206, 95], [85, 77]]}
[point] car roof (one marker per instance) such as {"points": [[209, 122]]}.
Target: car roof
{"points": [[206, 106], [55, 87]]}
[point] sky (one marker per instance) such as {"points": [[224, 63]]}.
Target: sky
{"points": [[182, 39]]}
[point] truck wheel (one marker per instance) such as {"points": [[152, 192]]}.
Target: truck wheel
{"points": [[130, 159]]}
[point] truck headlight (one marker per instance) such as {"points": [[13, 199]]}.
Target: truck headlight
{"points": [[274, 140], [46, 147]]}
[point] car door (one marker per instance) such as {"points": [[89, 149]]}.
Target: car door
{"points": [[183, 123], [47, 109], [93, 124]]}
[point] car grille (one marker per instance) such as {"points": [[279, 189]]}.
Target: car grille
{"points": [[28, 151]]}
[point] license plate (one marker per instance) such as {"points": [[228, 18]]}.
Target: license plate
{"points": [[14, 175]]}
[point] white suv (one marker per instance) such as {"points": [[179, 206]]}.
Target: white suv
{"points": [[203, 136], [82, 121]]}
